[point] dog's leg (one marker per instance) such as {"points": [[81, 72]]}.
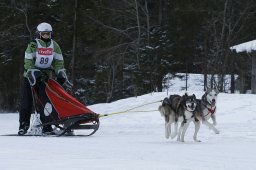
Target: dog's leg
{"points": [[180, 130], [197, 127], [185, 127], [211, 126], [214, 119], [170, 128], [175, 130], [167, 130]]}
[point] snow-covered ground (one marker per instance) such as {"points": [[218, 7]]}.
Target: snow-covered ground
{"points": [[135, 140], [195, 82]]}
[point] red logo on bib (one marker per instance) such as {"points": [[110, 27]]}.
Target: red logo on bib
{"points": [[45, 51]]}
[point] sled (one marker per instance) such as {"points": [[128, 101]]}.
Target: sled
{"points": [[67, 113]]}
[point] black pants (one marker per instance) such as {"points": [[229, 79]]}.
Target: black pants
{"points": [[26, 104]]}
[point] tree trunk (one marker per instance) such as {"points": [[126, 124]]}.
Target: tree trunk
{"points": [[139, 31], [160, 14], [205, 81], [74, 48], [242, 83], [232, 88], [220, 83], [147, 16], [253, 81]]}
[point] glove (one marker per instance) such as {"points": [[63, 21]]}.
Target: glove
{"points": [[34, 75], [61, 76]]}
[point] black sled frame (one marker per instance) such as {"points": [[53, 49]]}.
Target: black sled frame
{"points": [[89, 121]]}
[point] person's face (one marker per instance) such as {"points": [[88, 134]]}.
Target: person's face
{"points": [[46, 35]]}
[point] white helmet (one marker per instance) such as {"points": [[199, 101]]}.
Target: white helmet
{"points": [[44, 27]]}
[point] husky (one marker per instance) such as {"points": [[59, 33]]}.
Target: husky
{"points": [[176, 109], [206, 109]]}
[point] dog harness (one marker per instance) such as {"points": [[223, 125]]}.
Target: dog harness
{"points": [[184, 117], [212, 111]]}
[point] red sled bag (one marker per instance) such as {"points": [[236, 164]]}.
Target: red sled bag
{"points": [[65, 104], [71, 113]]}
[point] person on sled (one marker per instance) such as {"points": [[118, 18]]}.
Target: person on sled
{"points": [[42, 56]]}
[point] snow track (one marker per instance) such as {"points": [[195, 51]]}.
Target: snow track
{"points": [[135, 141]]}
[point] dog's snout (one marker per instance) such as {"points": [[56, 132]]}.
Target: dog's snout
{"points": [[213, 100]]}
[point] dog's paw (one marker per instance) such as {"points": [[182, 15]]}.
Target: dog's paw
{"points": [[196, 140], [167, 136], [217, 132], [173, 135], [180, 140]]}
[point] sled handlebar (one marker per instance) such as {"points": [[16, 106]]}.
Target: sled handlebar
{"points": [[68, 83]]}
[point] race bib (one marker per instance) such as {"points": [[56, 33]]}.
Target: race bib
{"points": [[45, 51], [44, 56]]}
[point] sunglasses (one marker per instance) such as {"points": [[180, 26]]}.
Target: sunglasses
{"points": [[45, 33]]}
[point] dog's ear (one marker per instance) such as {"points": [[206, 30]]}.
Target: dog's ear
{"points": [[208, 89], [217, 91], [216, 87], [184, 97], [194, 96]]}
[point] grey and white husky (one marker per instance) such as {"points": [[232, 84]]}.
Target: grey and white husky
{"points": [[206, 109], [176, 109]]}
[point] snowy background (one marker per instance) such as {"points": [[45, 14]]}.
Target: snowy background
{"points": [[135, 140]]}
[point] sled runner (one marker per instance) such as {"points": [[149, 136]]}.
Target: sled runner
{"points": [[66, 113]]}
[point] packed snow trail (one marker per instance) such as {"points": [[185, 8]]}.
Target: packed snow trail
{"points": [[136, 140]]}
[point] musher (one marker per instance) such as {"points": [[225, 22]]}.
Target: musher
{"points": [[41, 56]]}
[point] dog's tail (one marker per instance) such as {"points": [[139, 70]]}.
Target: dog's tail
{"points": [[161, 110], [166, 102]]}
